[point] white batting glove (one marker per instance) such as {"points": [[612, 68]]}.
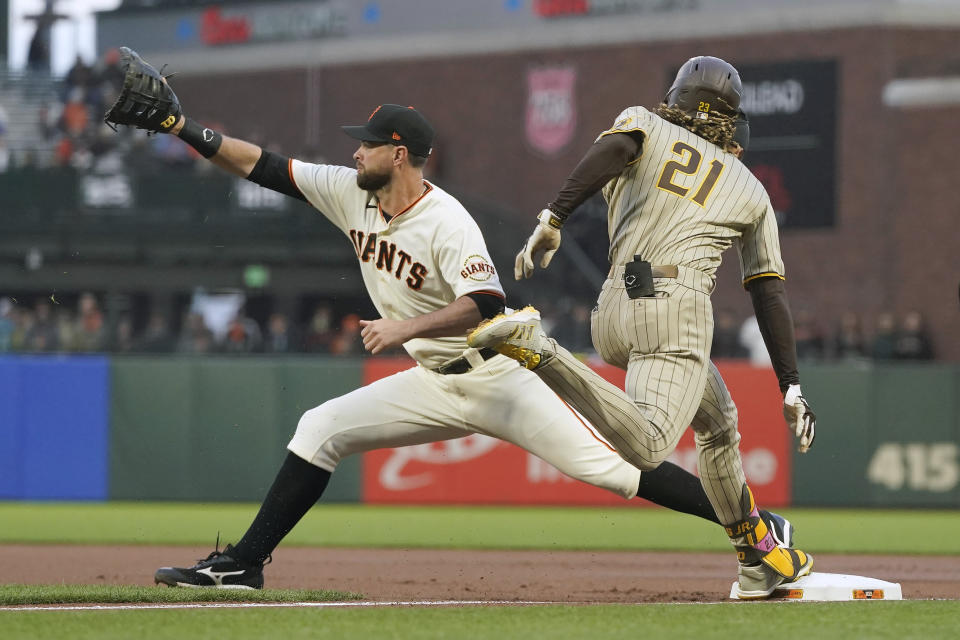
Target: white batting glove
{"points": [[800, 417], [545, 238]]}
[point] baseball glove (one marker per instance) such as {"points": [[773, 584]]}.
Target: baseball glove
{"points": [[146, 101]]}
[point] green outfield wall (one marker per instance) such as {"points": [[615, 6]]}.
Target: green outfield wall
{"points": [[216, 428], [887, 435]]}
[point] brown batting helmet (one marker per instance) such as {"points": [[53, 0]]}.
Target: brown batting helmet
{"points": [[705, 85]]}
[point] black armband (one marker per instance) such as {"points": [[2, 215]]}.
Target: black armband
{"points": [[273, 172], [206, 141], [488, 304]]}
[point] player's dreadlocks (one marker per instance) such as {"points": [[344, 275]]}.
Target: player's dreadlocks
{"points": [[717, 128]]}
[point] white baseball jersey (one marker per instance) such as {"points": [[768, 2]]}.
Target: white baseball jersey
{"points": [[684, 201], [419, 261]]}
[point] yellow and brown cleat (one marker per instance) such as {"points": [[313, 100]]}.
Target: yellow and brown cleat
{"points": [[764, 564], [788, 563], [758, 580], [517, 335]]}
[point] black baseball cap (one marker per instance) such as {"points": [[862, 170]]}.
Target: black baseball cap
{"points": [[398, 125]]}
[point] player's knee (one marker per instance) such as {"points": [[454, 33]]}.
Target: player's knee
{"points": [[655, 459], [717, 438], [705, 425], [312, 440], [314, 420]]}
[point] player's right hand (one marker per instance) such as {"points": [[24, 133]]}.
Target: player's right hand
{"points": [[544, 239], [800, 417]]}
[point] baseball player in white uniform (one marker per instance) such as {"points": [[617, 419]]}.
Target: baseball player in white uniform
{"points": [[426, 267], [678, 197]]}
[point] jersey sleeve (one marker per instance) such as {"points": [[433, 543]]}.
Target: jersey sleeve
{"points": [[759, 248], [327, 187], [465, 263], [630, 120]]}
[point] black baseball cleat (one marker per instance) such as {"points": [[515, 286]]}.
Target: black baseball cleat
{"points": [[219, 570], [781, 528]]}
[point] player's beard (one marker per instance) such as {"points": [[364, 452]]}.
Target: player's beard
{"points": [[372, 181]]}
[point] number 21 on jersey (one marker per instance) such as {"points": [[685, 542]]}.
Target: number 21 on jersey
{"points": [[689, 164]]}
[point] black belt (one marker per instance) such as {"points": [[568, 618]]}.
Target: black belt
{"points": [[462, 365]]}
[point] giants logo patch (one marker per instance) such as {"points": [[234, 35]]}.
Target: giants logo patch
{"points": [[477, 268]]}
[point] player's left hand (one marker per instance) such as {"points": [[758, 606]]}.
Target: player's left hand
{"points": [[382, 334], [544, 238], [146, 100], [800, 417]]}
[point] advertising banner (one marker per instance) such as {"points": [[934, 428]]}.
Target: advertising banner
{"points": [[481, 470], [792, 107]]}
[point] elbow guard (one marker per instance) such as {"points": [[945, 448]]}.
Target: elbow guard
{"points": [[488, 304], [273, 172]]}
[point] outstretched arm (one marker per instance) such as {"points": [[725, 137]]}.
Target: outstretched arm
{"points": [[232, 154], [239, 157], [147, 101]]}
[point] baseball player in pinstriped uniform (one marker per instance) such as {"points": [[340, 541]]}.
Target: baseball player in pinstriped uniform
{"points": [[428, 272], [678, 197]]}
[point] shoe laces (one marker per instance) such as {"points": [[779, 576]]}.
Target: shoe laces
{"points": [[216, 553]]}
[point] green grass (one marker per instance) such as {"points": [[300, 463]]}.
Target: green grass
{"points": [[826, 530], [863, 531], [853, 620], [17, 594]]}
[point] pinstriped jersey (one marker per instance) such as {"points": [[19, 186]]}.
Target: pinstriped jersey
{"points": [[684, 201], [417, 261]]}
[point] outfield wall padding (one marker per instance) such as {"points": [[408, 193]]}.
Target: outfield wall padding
{"points": [[53, 427], [216, 428], [887, 436]]}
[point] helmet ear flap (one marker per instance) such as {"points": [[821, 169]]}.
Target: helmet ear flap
{"points": [[741, 129]]}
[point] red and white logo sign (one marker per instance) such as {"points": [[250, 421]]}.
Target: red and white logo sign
{"points": [[551, 108], [401, 471], [479, 469]]}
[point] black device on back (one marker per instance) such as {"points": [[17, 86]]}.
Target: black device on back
{"points": [[638, 278]]}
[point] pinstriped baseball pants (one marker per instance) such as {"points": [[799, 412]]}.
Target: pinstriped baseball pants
{"points": [[663, 342]]}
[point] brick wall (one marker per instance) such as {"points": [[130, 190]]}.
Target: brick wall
{"points": [[895, 242]]}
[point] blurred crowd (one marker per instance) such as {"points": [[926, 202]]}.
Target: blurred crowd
{"points": [[47, 326], [69, 128], [885, 337]]}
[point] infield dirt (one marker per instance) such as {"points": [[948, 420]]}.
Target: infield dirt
{"points": [[424, 574]]}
